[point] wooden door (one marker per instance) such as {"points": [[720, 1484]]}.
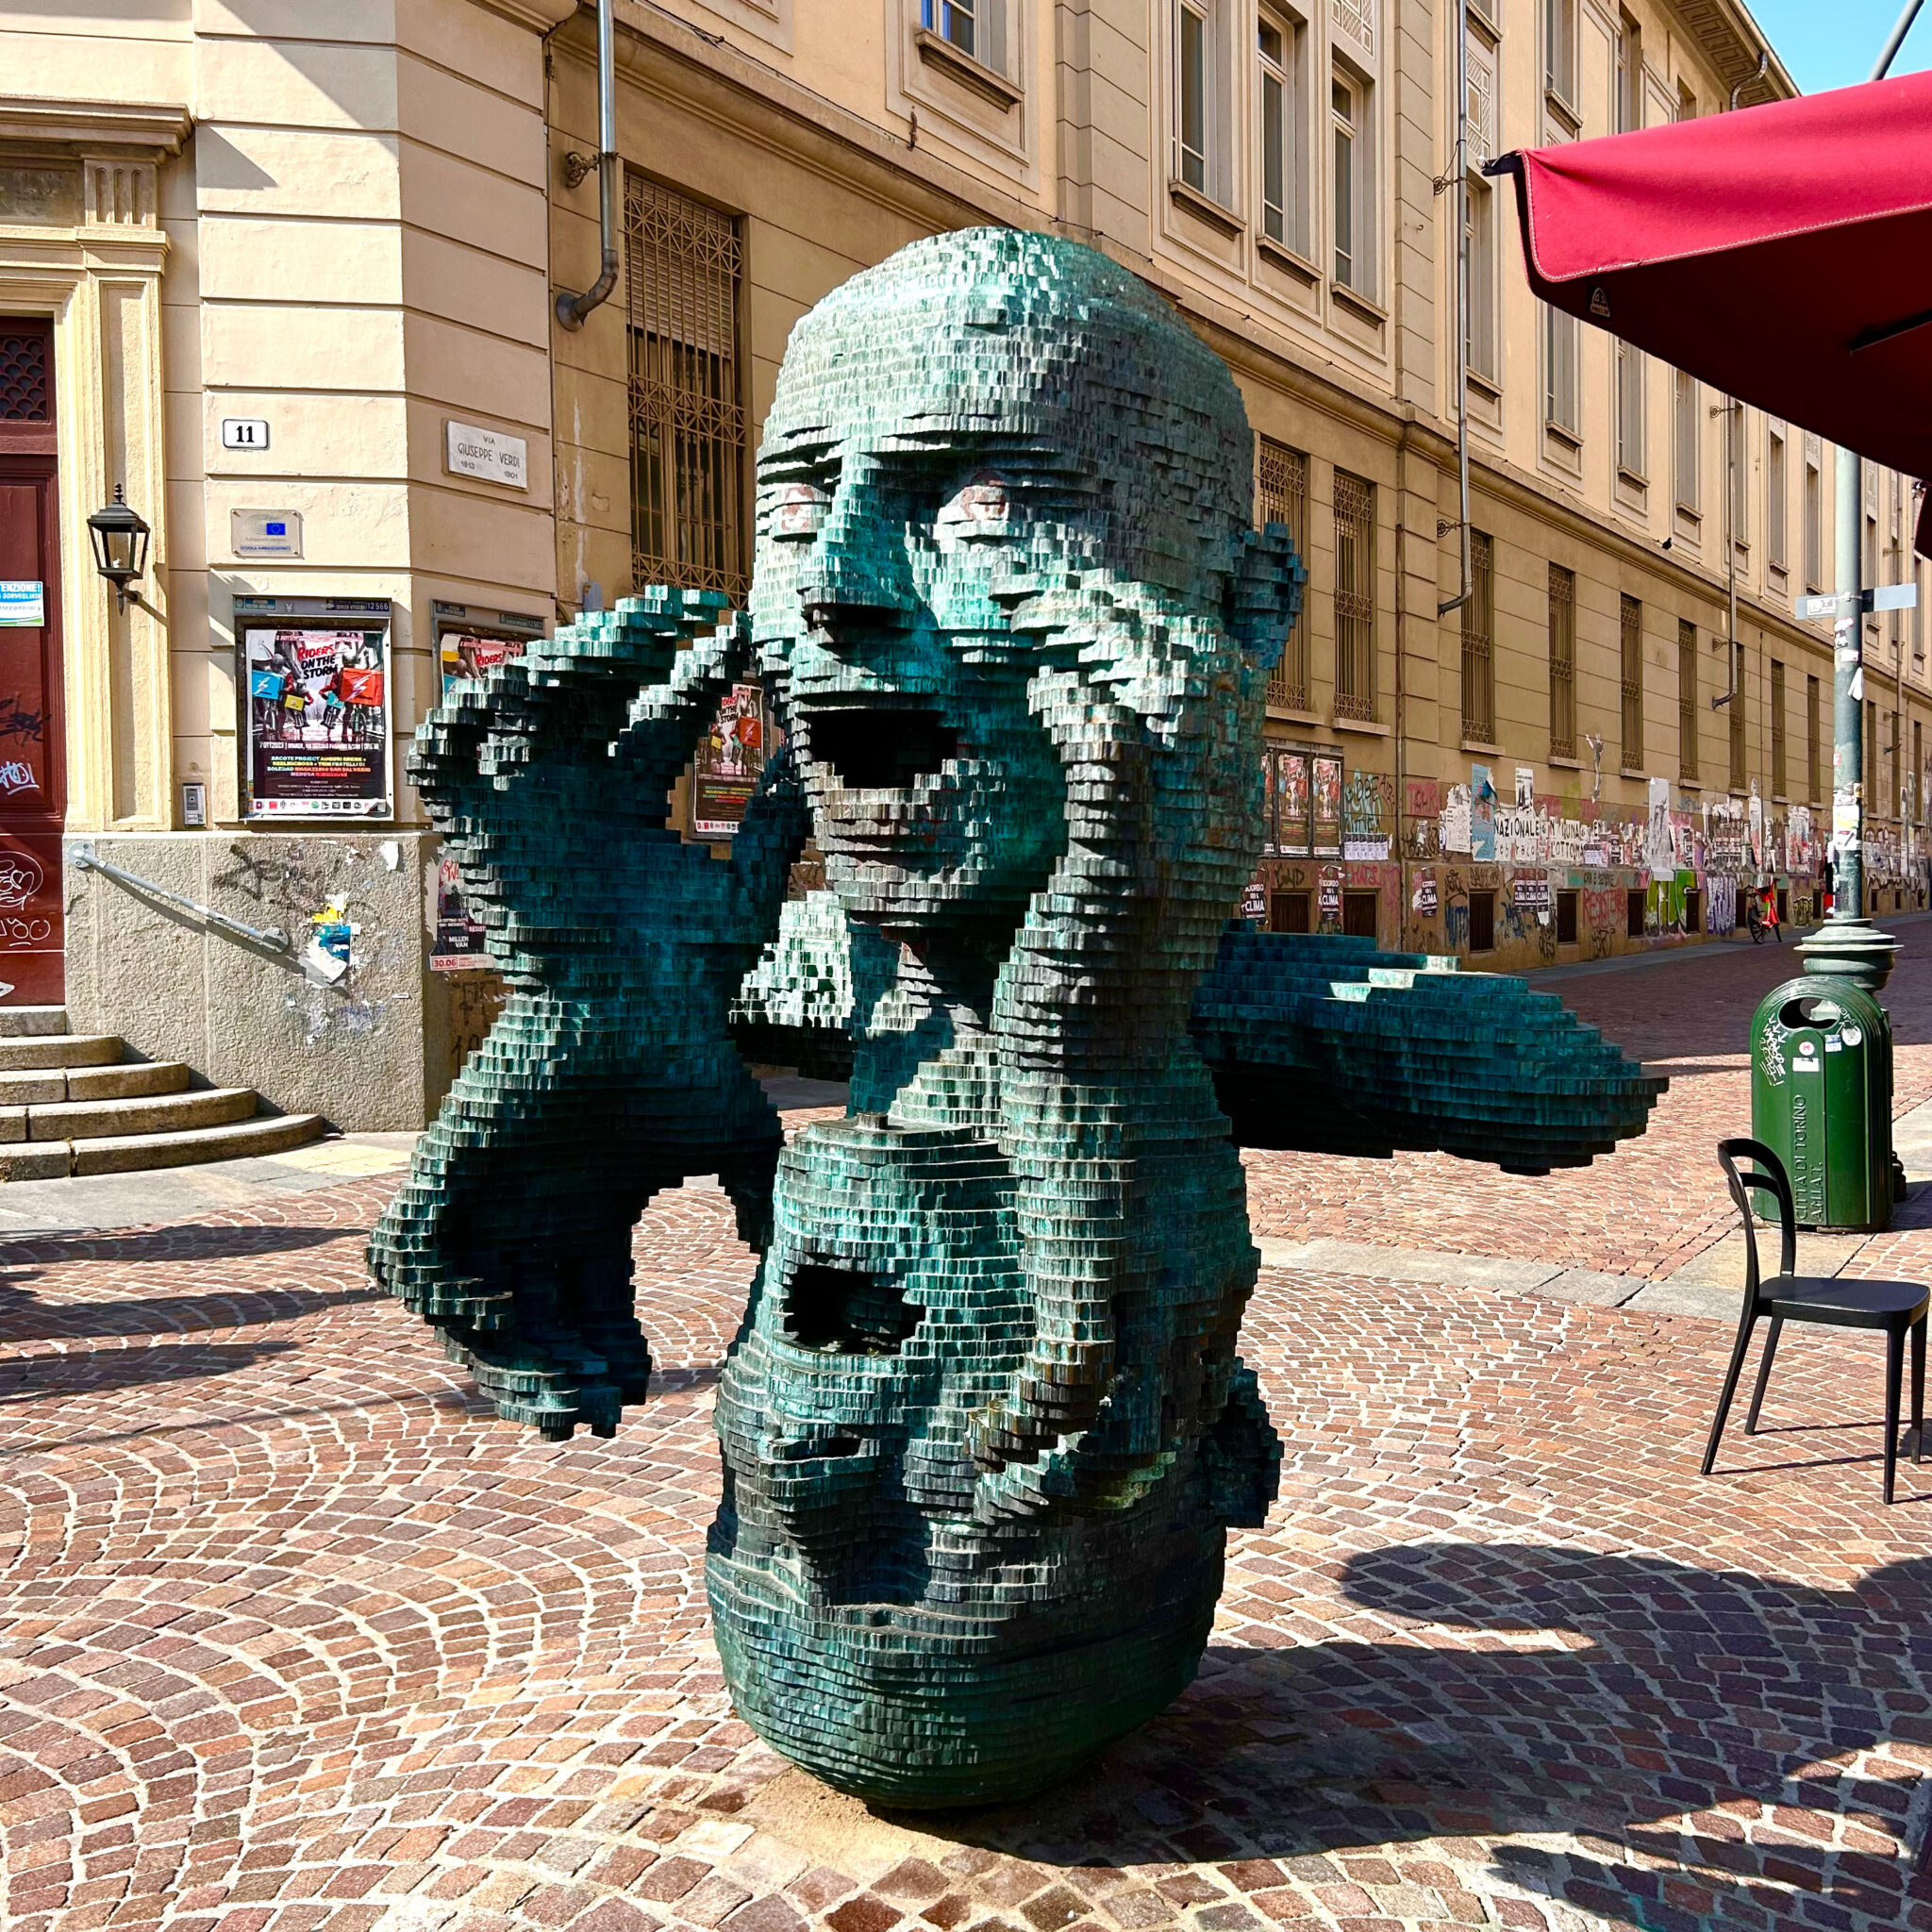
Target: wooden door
{"points": [[33, 777]]}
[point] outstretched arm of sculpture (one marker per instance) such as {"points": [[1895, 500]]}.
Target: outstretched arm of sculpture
{"points": [[609, 1073]]}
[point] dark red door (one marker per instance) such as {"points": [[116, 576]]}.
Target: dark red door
{"points": [[33, 776]]}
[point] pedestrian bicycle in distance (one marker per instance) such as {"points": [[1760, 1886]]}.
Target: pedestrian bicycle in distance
{"points": [[1760, 915]]}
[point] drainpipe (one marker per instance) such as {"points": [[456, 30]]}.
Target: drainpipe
{"points": [[1461, 186], [570, 309]]}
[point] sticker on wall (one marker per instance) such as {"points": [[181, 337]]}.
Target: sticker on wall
{"points": [[23, 604]]}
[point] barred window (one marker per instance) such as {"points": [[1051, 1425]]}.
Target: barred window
{"points": [[1778, 773], [1563, 662], [687, 420], [1355, 597], [1281, 497], [1631, 751], [1686, 700], [1738, 708], [1813, 735], [1479, 643]]}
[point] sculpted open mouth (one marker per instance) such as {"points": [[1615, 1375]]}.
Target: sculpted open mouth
{"points": [[879, 747]]}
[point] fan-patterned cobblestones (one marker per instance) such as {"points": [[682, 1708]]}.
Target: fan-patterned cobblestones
{"points": [[295, 1637]]}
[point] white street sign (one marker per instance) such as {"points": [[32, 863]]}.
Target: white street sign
{"points": [[487, 454]]}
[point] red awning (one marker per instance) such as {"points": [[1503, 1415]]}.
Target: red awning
{"points": [[1781, 254]]}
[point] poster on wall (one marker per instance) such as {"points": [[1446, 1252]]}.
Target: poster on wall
{"points": [[315, 714], [726, 766], [1291, 804], [1482, 815], [459, 946], [471, 642], [1326, 789]]}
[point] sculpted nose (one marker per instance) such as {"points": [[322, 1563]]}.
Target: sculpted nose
{"points": [[859, 563]]}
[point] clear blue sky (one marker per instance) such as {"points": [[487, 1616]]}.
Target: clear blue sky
{"points": [[1827, 44]]}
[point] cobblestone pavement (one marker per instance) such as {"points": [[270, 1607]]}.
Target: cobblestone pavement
{"points": [[1657, 1201], [295, 1637]]}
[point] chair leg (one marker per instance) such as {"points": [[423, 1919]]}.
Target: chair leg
{"points": [[1919, 1389], [1730, 1388], [1777, 1328], [1894, 1376]]}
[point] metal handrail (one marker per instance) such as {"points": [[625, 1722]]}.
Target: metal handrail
{"points": [[274, 938]]}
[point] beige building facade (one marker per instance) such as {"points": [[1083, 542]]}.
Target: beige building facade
{"points": [[286, 276]]}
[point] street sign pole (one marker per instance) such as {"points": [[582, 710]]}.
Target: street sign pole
{"points": [[1848, 944]]}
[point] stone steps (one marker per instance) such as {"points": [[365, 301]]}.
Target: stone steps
{"points": [[71, 1103]]}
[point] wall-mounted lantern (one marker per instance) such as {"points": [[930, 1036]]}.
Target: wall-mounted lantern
{"points": [[120, 539]]}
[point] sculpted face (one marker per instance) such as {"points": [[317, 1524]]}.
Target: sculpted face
{"points": [[983, 1430], [941, 452]]}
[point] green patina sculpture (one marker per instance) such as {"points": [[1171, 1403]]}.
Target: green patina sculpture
{"points": [[983, 1426]]}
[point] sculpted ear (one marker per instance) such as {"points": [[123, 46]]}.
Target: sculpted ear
{"points": [[1264, 599]]}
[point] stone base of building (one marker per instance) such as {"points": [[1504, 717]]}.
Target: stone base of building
{"points": [[373, 1049]]}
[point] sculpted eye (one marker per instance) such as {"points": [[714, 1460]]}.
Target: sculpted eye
{"points": [[799, 511], [982, 500]]}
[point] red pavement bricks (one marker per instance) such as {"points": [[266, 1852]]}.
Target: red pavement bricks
{"points": [[295, 1637]]}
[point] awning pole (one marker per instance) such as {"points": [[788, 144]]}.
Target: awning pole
{"points": [[1467, 582], [1850, 943]]}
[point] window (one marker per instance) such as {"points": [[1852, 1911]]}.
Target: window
{"points": [[1690, 445], [686, 422], [1482, 922], [972, 26], [1778, 777], [1629, 97], [1282, 53], [1915, 791], [1632, 626], [1891, 773], [1736, 717], [1355, 599], [1566, 919], [1479, 224], [1814, 524], [1739, 465], [1693, 909], [1686, 103], [1918, 615], [1358, 912], [1563, 662], [1629, 410], [1632, 915], [1281, 497], [1191, 92], [1560, 48], [1349, 122], [1560, 369], [1478, 647], [1774, 507], [1686, 700], [1811, 742]]}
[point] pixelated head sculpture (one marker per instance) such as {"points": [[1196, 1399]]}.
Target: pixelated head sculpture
{"points": [[984, 1428]]}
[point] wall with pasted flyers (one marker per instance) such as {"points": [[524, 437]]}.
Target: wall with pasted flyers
{"points": [[1542, 878]]}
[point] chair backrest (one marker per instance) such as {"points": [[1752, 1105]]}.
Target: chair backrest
{"points": [[1767, 1172]]}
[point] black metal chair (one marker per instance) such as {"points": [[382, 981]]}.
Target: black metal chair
{"points": [[1899, 1308]]}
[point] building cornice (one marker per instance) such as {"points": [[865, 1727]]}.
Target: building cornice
{"points": [[540, 16], [154, 128], [1731, 41]]}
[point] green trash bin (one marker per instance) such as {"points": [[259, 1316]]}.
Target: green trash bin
{"points": [[1821, 1099]]}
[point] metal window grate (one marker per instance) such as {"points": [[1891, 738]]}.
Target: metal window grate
{"points": [[687, 424], [1281, 497], [1631, 751], [1737, 712], [1812, 762], [1479, 643], [23, 395], [1563, 662], [1355, 599], [1778, 773], [1686, 700]]}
